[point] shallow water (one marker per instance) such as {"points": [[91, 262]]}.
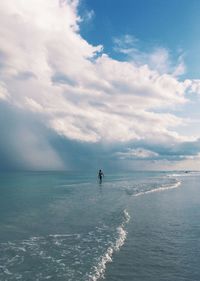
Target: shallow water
{"points": [[67, 226]]}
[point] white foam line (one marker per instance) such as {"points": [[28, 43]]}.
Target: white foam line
{"points": [[158, 189], [186, 174], [62, 235], [107, 257]]}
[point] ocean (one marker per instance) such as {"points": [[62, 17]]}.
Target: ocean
{"points": [[66, 226]]}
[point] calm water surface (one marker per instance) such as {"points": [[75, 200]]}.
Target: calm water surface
{"points": [[67, 226]]}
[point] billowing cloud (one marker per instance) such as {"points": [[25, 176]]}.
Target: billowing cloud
{"points": [[49, 73]]}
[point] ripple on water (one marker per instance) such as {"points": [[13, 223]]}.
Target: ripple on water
{"points": [[63, 256]]}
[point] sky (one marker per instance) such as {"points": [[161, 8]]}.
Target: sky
{"points": [[90, 84]]}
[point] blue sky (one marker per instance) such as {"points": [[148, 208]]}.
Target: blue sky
{"points": [[99, 84], [173, 25]]}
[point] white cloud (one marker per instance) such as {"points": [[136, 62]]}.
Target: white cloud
{"points": [[158, 58], [125, 44], [79, 92], [3, 92], [88, 16], [138, 153], [194, 86]]}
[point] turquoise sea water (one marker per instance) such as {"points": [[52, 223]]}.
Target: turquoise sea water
{"points": [[66, 226]]}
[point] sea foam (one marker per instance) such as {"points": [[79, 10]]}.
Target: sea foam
{"points": [[159, 189], [99, 269]]}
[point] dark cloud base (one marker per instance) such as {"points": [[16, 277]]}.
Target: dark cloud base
{"points": [[16, 146]]}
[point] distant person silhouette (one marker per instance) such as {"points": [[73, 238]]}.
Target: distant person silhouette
{"points": [[100, 176]]}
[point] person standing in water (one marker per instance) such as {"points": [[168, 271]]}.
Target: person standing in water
{"points": [[100, 176]]}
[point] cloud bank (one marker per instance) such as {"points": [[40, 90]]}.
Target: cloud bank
{"points": [[58, 91]]}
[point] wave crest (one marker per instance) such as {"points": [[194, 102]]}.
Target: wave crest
{"points": [[99, 269], [159, 189]]}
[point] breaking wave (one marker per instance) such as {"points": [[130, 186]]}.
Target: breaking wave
{"points": [[99, 269], [152, 185], [159, 189]]}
